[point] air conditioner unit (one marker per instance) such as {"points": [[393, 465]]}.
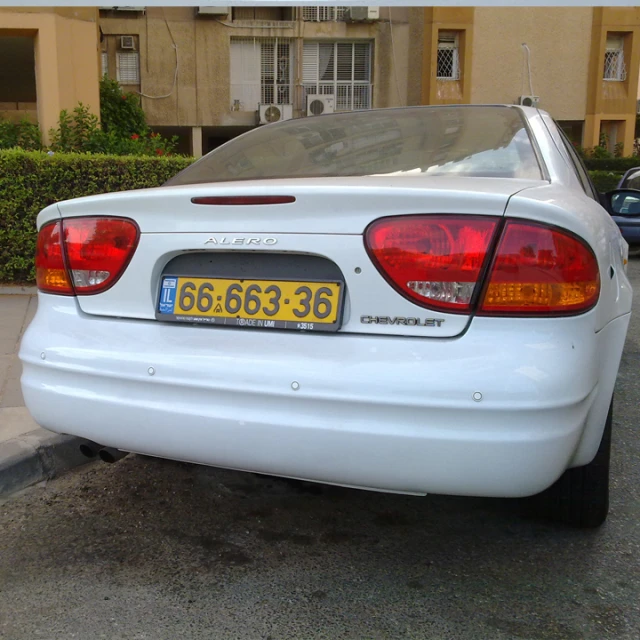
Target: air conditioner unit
{"points": [[214, 11], [269, 113], [361, 14], [318, 104], [127, 42], [528, 101]]}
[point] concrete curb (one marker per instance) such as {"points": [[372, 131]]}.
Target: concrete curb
{"points": [[15, 290], [36, 456]]}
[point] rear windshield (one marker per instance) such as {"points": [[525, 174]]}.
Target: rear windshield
{"points": [[431, 141]]}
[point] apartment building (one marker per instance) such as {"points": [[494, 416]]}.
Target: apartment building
{"points": [[207, 74], [48, 62], [581, 64]]}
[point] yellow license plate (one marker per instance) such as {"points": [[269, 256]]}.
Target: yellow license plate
{"points": [[274, 304]]}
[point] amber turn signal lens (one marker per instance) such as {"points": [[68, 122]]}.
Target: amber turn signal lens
{"points": [[51, 273], [540, 270]]}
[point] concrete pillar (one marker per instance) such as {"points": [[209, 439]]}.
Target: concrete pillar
{"points": [[47, 81], [196, 142]]}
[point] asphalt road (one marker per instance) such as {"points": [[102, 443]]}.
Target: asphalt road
{"points": [[149, 549]]}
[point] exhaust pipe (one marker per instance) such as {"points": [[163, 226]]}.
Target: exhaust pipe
{"points": [[90, 449], [108, 454]]}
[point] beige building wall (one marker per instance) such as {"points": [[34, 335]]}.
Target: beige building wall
{"points": [[559, 39], [66, 57], [201, 97]]}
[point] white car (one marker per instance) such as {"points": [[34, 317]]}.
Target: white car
{"points": [[418, 300]]}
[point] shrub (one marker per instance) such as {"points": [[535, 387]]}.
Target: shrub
{"points": [[30, 181], [605, 180], [23, 134], [80, 132], [121, 113], [612, 164]]}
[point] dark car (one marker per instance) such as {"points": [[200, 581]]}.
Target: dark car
{"points": [[628, 218], [631, 179]]}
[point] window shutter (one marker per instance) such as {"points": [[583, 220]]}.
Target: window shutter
{"points": [[362, 61], [260, 70], [345, 61], [447, 39], [310, 62], [105, 63], [128, 67], [326, 61], [245, 73], [614, 43], [339, 68]]}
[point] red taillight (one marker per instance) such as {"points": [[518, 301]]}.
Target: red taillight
{"points": [[51, 272], [96, 252], [540, 270], [434, 260]]}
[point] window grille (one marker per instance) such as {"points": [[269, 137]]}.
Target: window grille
{"points": [[128, 67], [448, 56], [261, 72], [322, 14], [614, 66], [342, 69]]}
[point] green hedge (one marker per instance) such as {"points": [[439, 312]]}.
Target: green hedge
{"points": [[606, 180], [30, 181], [612, 164]]}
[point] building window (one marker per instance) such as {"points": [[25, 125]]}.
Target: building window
{"points": [[128, 67], [614, 67], [342, 69], [448, 56], [105, 63], [322, 14], [261, 71]]}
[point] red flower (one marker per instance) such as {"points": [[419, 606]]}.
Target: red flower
{"points": [[135, 136], [159, 152], [124, 97]]}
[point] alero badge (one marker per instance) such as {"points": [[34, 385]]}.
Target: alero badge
{"points": [[241, 241]]}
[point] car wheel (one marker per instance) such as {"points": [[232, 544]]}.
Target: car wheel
{"points": [[580, 497]]}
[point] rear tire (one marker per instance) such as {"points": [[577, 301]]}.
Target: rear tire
{"points": [[580, 497]]}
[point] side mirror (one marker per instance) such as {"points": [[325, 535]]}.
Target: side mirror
{"points": [[623, 202]]}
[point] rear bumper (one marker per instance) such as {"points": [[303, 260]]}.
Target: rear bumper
{"points": [[390, 414]]}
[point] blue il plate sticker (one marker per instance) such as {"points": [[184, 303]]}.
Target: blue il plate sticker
{"points": [[168, 295]]}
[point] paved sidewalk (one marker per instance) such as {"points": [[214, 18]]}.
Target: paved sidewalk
{"points": [[16, 312], [28, 453]]}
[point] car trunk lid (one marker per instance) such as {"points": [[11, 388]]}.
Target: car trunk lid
{"points": [[317, 237]]}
